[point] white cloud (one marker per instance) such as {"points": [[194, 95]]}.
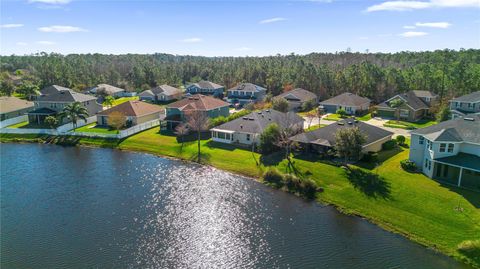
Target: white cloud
{"points": [[45, 43], [61, 29], [11, 25], [442, 25], [363, 38], [413, 34], [409, 27], [413, 5], [243, 49], [23, 44], [53, 2], [192, 40], [271, 20]]}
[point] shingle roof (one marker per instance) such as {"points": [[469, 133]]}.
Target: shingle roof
{"points": [[465, 129], [198, 102], [462, 159], [147, 93], [424, 94], [10, 103], [248, 87], [346, 99], [326, 135], [207, 85], [65, 96], [133, 109], [109, 89], [166, 89], [53, 89], [471, 97], [256, 122], [298, 94], [410, 99]]}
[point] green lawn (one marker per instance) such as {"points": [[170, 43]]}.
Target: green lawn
{"points": [[332, 117], [19, 125], [315, 127], [123, 100], [409, 125], [304, 113], [93, 128], [365, 117], [27, 125], [423, 210]]}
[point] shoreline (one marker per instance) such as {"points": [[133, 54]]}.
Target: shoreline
{"points": [[320, 198]]}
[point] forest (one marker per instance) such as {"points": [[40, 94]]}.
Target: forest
{"points": [[374, 75]]}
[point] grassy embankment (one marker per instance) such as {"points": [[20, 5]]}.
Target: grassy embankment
{"points": [[121, 100], [337, 117], [409, 125], [440, 217], [93, 128]]}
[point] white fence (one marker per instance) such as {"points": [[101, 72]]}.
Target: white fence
{"points": [[28, 131], [69, 126], [13, 121], [123, 133]]}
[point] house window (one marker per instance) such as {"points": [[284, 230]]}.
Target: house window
{"points": [[429, 144], [469, 105], [227, 136], [248, 137], [221, 135], [450, 147], [442, 147], [421, 140], [426, 163]]}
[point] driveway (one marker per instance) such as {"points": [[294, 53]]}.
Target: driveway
{"points": [[396, 131]]}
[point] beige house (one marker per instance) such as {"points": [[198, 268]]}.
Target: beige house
{"points": [[416, 105], [136, 112], [12, 107], [162, 93]]}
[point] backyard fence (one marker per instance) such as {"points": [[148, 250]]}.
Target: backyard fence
{"points": [[12, 121], [63, 129], [123, 133]]}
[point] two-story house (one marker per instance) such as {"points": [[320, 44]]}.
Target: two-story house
{"points": [[466, 104], [55, 99], [416, 105], [213, 107], [206, 88], [449, 151], [245, 93]]}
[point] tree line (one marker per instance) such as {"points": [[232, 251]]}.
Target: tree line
{"points": [[374, 75]]}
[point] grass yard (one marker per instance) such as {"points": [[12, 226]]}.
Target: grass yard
{"points": [[332, 117], [365, 117], [121, 100], [409, 125], [304, 113], [93, 128], [315, 127], [19, 125]]}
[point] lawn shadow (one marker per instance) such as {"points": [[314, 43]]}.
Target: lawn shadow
{"points": [[203, 157], [368, 183], [383, 156], [272, 159], [473, 197], [212, 144]]}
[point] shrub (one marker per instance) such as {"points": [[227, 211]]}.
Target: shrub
{"points": [[408, 165], [400, 139], [268, 138], [341, 112], [280, 104], [309, 105], [272, 175], [471, 249], [370, 157], [389, 145], [304, 187]]}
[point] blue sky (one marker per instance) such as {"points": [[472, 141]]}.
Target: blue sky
{"points": [[236, 27]]}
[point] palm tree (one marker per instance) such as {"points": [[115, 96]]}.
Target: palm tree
{"points": [[74, 112], [397, 103]]}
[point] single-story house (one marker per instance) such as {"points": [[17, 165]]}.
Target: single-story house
{"points": [[416, 105], [105, 89], [245, 93], [297, 97], [12, 107], [213, 107], [350, 102], [162, 93], [206, 87], [466, 104], [136, 112], [247, 129], [323, 139]]}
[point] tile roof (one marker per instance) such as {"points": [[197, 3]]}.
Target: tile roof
{"points": [[65, 96], [166, 89], [298, 94], [346, 99], [10, 104], [471, 98], [326, 135], [133, 109], [207, 85], [198, 102], [465, 129], [248, 87], [257, 121]]}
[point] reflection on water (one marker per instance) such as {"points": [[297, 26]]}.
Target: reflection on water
{"points": [[100, 208]]}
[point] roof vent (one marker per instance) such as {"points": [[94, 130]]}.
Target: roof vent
{"points": [[350, 122], [355, 121], [251, 119], [245, 118], [268, 110], [340, 123], [241, 126], [469, 119]]}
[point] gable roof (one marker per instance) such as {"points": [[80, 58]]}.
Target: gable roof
{"points": [[109, 89], [133, 109], [424, 94], [248, 87], [206, 85], [146, 93], [410, 98], [257, 121], [326, 135], [11, 103], [346, 99], [469, 98], [465, 129], [53, 89], [298, 94], [166, 89], [65, 96], [198, 102]]}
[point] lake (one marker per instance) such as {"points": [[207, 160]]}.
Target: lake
{"points": [[69, 207]]}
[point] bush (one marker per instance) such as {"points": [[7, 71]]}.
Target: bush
{"points": [[309, 105], [389, 145], [341, 112], [471, 249], [268, 137], [272, 175], [400, 139], [302, 186], [370, 157], [408, 166]]}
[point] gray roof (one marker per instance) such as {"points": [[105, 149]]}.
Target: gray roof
{"points": [[326, 135], [470, 98], [53, 89], [424, 94], [466, 129], [346, 99], [166, 89], [147, 93], [410, 98], [257, 121], [462, 159], [109, 89], [207, 85], [66, 96], [248, 87], [298, 94]]}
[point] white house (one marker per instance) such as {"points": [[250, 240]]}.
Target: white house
{"points": [[449, 151]]}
